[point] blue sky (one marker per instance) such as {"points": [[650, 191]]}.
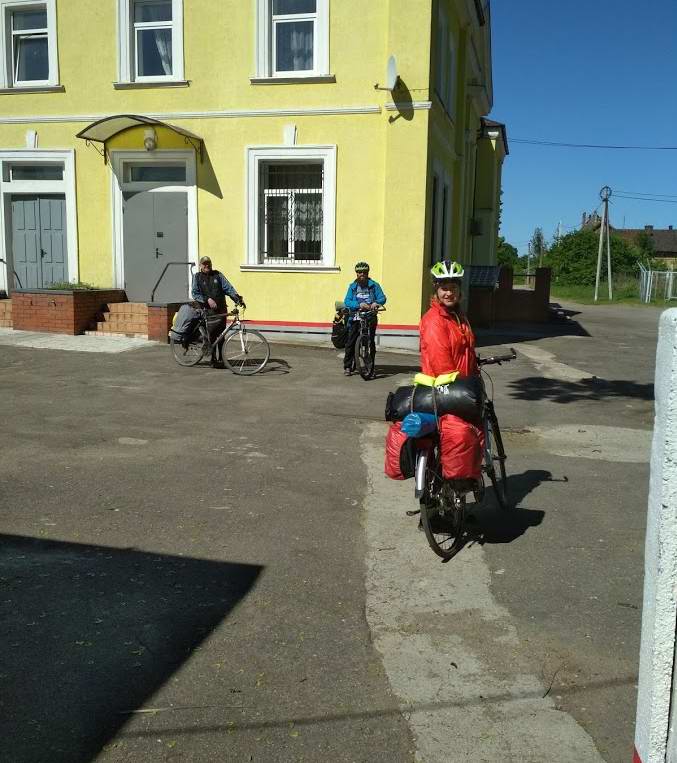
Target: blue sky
{"points": [[577, 71]]}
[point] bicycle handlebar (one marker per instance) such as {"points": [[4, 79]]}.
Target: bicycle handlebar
{"points": [[496, 359]]}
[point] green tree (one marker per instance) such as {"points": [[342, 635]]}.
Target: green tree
{"points": [[538, 246], [574, 258], [506, 254]]}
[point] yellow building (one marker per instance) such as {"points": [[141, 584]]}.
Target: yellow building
{"points": [[264, 133]]}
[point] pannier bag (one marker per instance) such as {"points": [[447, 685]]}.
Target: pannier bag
{"points": [[400, 460], [184, 322], [460, 448], [462, 398], [339, 327]]}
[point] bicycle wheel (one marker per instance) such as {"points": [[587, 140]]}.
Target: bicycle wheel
{"points": [[442, 514], [364, 357], [189, 353], [494, 459], [245, 351]]}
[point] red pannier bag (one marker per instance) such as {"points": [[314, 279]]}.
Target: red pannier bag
{"points": [[400, 462], [460, 448]]}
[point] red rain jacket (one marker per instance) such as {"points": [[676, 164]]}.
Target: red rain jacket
{"points": [[447, 343]]}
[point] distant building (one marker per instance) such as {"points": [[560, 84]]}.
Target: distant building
{"points": [[664, 239]]}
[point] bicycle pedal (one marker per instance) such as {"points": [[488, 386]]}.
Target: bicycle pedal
{"points": [[413, 513]]}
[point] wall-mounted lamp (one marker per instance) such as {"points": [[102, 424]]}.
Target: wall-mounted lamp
{"points": [[150, 139]]}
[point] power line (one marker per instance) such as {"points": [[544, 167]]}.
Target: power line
{"points": [[642, 193], [535, 142], [645, 198]]}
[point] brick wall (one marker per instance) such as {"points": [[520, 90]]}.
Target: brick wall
{"points": [[160, 318], [60, 312]]}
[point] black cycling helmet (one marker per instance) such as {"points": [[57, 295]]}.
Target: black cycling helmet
{"points": [[362, 267]]}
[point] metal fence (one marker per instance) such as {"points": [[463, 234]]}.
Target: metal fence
{"points": [[654, 284]]}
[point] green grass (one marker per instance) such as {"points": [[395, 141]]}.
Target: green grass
{"points": [[625, 292]]}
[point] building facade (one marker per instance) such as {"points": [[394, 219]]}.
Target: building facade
{"points": [[265, 133]]}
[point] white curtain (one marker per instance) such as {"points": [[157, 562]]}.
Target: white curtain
{"points": [[302, 47], [163, 43]]}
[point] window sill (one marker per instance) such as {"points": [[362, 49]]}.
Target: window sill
{"points": [[298, 80], [290, 268], [36, 89], [154, 83]]}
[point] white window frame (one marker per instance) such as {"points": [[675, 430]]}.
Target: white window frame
{"points": [[254, 156], [119, 160], [7, 7], [265, 41], [127, 48], [65, 187]]}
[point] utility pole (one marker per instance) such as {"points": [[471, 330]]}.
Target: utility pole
{"points": [[529, 261], [604, 194]]}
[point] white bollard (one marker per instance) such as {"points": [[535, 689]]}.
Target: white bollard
{"points": [[655, 731]]}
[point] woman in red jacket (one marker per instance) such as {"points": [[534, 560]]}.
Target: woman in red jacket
{"points": [[447, 345], [447, 341]]}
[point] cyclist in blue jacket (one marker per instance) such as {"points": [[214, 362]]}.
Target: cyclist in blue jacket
{"points": [[363, 294]]}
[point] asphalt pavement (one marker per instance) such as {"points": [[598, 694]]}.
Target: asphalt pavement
{"points": [[192, 564]]}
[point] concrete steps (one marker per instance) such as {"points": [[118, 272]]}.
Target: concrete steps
{"points": [[125, 319], [6, 313]]}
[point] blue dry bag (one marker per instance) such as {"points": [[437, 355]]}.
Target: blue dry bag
{"points": [[419, 424]]}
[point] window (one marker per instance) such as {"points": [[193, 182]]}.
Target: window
{"points": [[445, 64], [440, 213], [28, 45], [151, 40], [155, 173], [35, 172], [290, 212], [291, 207], [293, 38]]}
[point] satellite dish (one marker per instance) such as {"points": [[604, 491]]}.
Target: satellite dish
{"points": [[391, 73], [392, 77]]}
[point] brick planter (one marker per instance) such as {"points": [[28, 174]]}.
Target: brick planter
{"points": [[160, 316], [68, 311]]}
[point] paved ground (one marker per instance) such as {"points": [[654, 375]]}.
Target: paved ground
{"points": [[183, 568]]}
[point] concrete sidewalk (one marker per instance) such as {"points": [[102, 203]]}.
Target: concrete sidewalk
{"points": [[81, 343]]}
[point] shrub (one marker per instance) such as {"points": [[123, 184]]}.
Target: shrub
{"points": [[63, 285]]}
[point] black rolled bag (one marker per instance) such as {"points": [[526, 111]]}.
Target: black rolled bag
{"points": [[462, 398]]}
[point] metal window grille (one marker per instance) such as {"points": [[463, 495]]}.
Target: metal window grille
{"points": [[290, 213]]}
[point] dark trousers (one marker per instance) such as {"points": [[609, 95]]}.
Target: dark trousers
{"points": [[353, 331]]}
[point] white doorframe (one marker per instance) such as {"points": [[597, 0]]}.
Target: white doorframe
{"points": [[64, 187], [118, 183]]}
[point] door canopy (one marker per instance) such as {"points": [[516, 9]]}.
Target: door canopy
{"points": [[103, 130]]}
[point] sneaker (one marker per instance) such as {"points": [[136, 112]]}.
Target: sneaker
{"points": [[347, 372]]}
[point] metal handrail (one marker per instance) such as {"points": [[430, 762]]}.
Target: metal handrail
{"points": [[16, 275], [190, 264]]}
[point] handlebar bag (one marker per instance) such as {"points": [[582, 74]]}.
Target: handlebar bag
{"points": [[462, 398]]}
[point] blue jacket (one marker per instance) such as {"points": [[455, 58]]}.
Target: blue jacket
{"points": [[375, 295], [228, 289]]}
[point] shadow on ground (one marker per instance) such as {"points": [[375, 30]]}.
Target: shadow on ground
{"points": [[555, 391], [88, 633], [562, 323], [382, 371], [489, 523]]}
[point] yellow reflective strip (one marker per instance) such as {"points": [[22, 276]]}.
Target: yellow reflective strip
{"points": [[446, 378], [424, 379]]}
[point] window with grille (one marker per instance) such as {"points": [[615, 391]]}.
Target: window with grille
{"points": [[290, 211], [28, 56]]}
